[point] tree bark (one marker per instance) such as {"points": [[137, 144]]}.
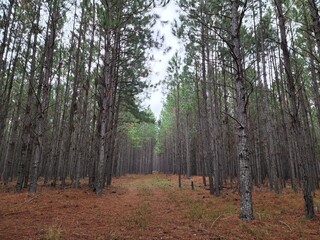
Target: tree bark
{"points": [[43, 101], [294, 114], [246, 210], [105, 97], [27, 135]]}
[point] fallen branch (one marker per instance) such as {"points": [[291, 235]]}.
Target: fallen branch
{"points": [[215, 220]]}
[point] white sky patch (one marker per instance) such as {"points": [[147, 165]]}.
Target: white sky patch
{"points": [[160, 63]]}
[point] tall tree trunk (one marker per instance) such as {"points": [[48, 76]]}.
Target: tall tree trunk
{"points": [[316, 30], [200, 143], [187, 141], [28, 125], [6, 79], [246, 210], [105, 96], [214, 123], [67, 144], [6, 20], [178, 137], [9, 156], [43, 101], [294, 115], [268, 141], [57, 126], [207, 151], [79, 75]]}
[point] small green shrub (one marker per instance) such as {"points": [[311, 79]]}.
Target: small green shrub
{"points": [[160, 182], [196, 211]]}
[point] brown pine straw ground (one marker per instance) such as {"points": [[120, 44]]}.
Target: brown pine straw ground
{"points": [[152, 207]]}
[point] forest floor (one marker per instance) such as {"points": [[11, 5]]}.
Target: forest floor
{"points": [[152, 207]]}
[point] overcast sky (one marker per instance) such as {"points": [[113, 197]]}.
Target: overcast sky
{"points": [[160, 63]]}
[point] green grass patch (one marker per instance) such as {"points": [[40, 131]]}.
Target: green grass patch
{"points": [[151, 182], [196, 210], [256, 232], [212, 215], [262, 214], [160, 182], [145, 191], [199, 210], [229, 208], [140, 217]]}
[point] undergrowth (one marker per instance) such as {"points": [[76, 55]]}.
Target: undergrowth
{"points": [[145, 191], [140, 217], [160, 182]]}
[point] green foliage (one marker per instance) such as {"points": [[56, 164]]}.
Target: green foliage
{"points": [[196, 210], [139, 126], [139, 133], [177, 74]]}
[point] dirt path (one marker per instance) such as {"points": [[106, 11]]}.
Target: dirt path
{"points": [[159, 214], [136, 207], [151, 207]]}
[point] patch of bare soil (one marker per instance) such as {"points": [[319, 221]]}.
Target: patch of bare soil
{"points": [[152, 207]]}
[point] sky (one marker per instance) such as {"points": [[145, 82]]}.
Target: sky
{"points": [[160, 63]]}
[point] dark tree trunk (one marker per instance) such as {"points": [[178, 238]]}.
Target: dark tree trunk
{"points": [[294, 115]]}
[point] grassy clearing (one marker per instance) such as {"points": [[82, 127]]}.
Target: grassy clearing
{"points": [[145, 186]]}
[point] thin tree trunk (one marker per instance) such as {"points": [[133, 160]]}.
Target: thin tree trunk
{"points": [[207, 151], [28, 125], [294, 115], [9, 156], [178, 138], [103, 118], [43, 101], [316, 30]]}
